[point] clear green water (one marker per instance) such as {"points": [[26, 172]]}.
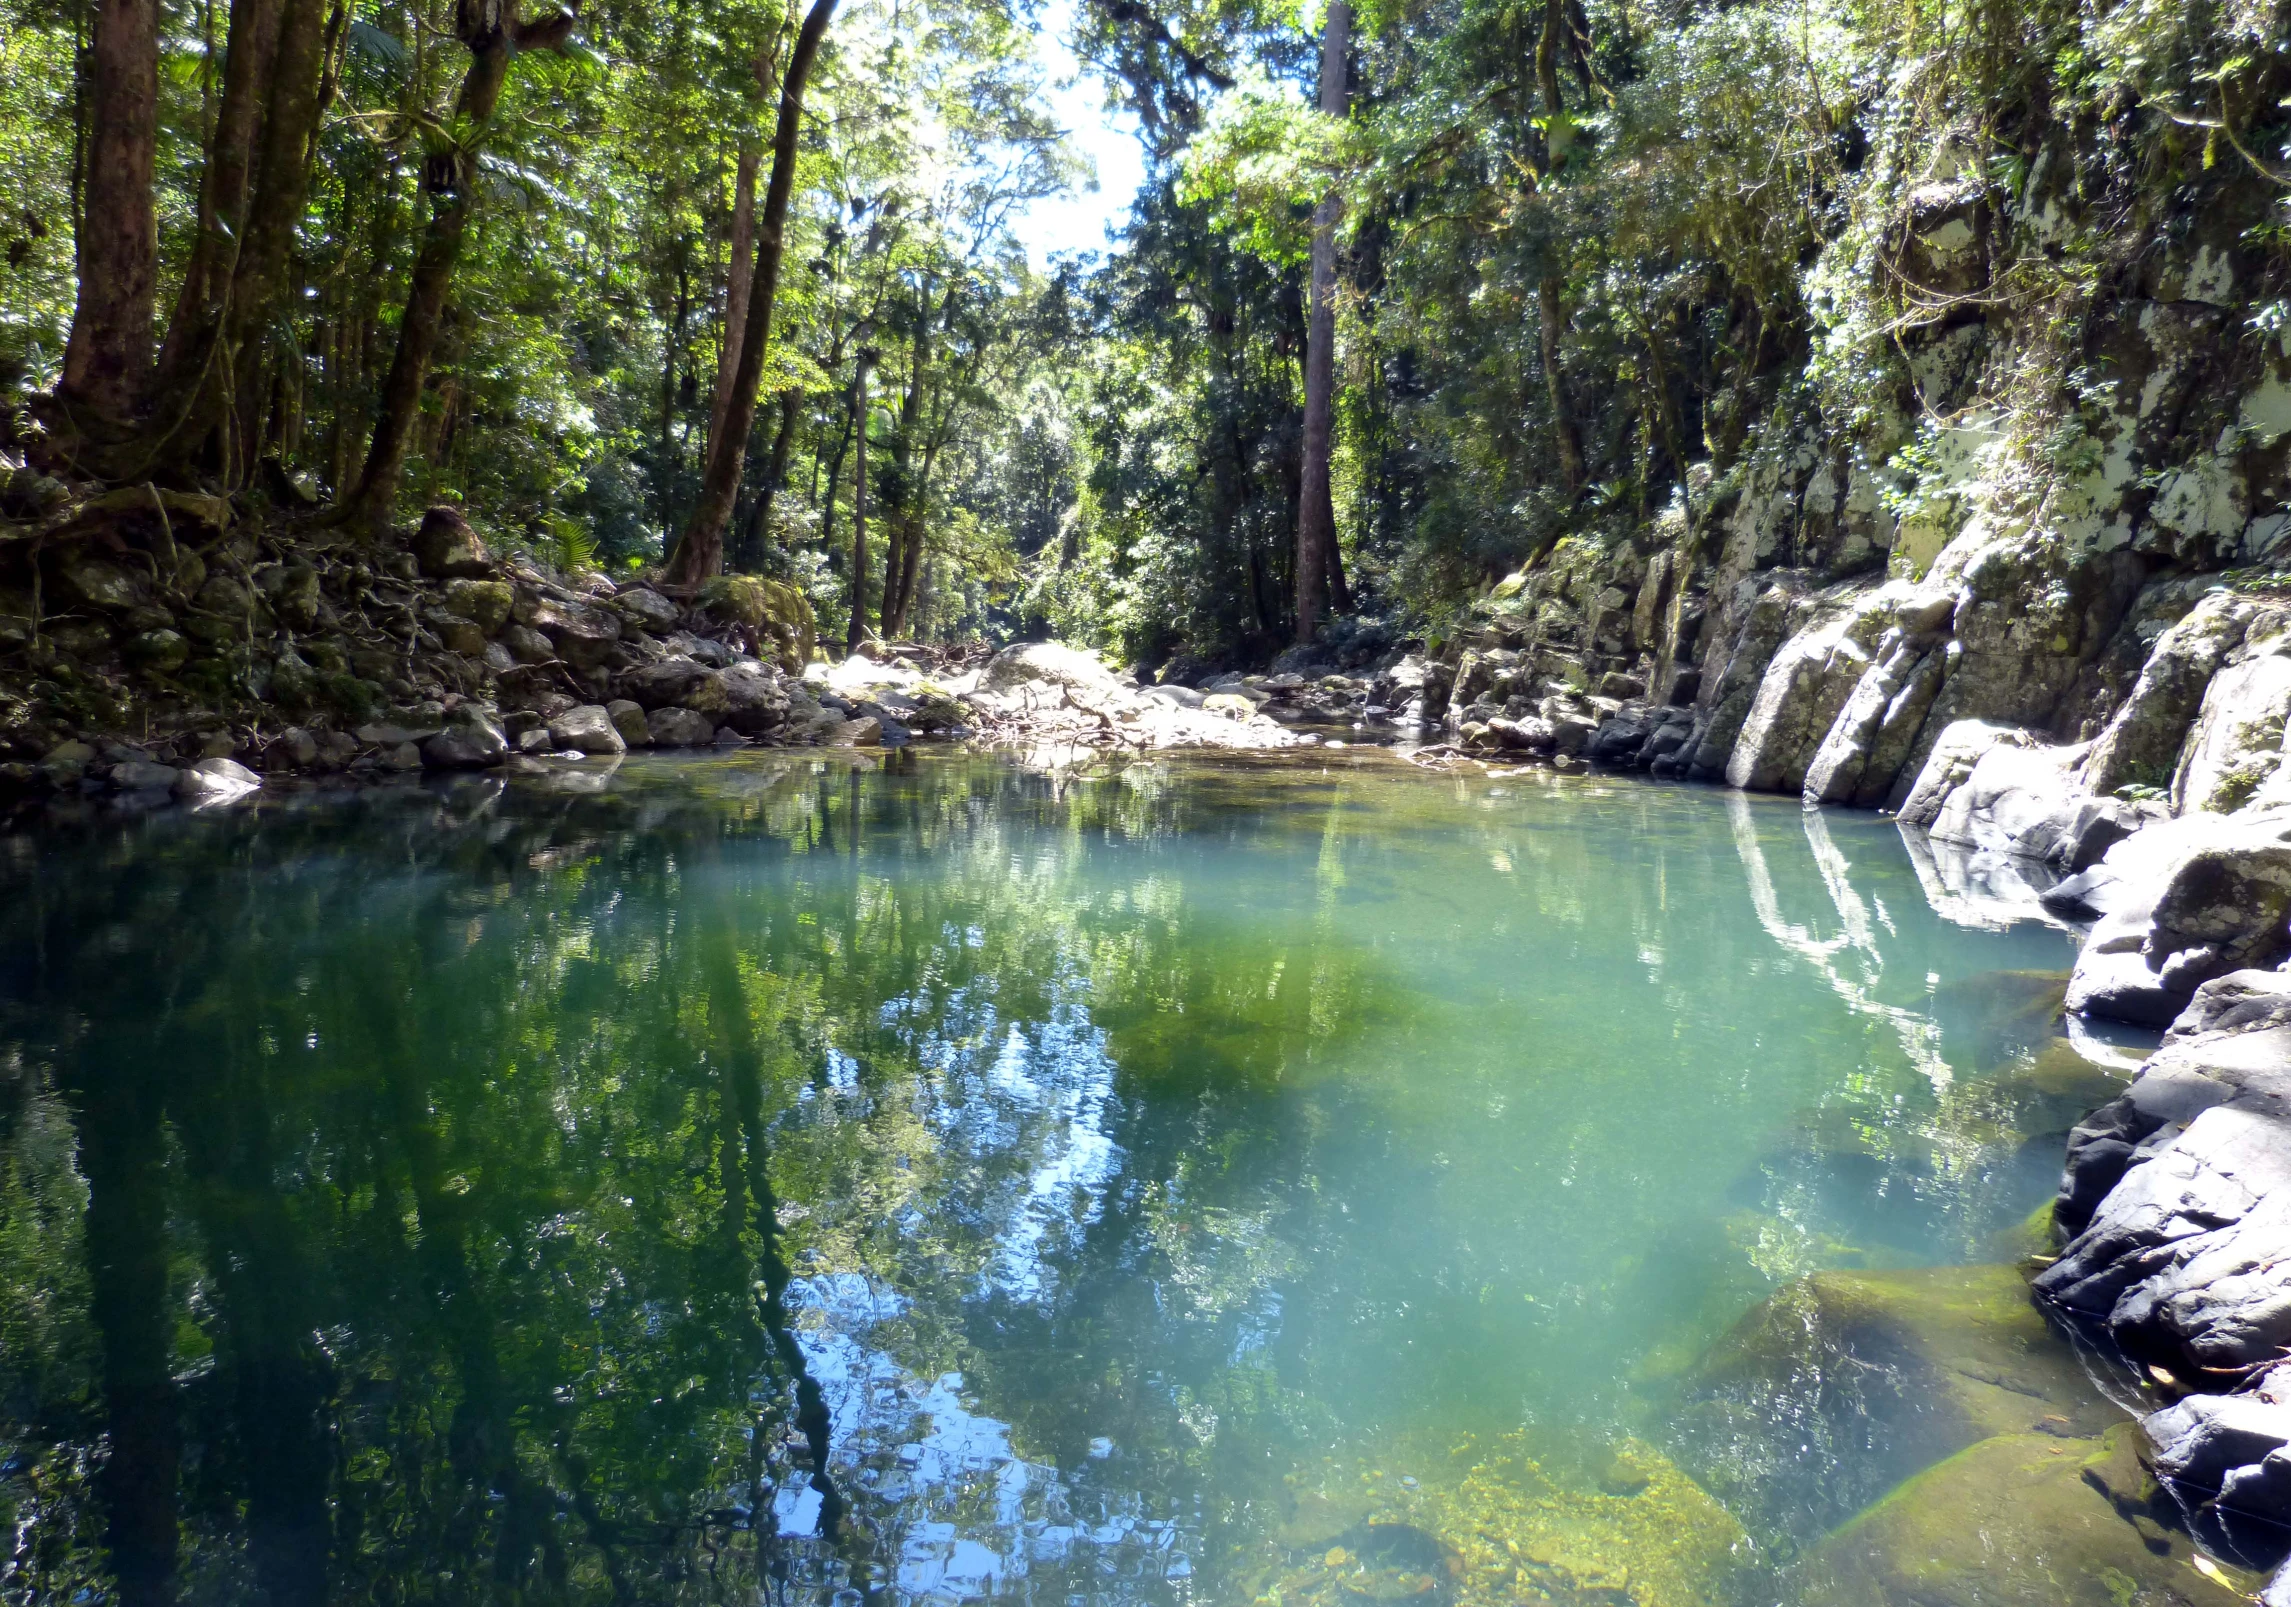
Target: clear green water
{"points": [[1168, 1168]]}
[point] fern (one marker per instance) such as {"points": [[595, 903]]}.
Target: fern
{"points": [[569, 546]]}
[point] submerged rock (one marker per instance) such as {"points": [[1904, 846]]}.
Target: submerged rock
{"points": [[2022, 1519], [1846, 1383]]}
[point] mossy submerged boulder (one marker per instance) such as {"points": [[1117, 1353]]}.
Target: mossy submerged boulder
{"points": [[1844, 1384], [2016, 1519]]}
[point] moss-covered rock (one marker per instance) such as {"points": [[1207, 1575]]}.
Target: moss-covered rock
{"points": [[1846, 1383], [1529, 1516], [2014, 1519], [777, 617]]}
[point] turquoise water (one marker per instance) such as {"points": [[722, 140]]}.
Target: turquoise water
{"points": [[1131, 1179]]}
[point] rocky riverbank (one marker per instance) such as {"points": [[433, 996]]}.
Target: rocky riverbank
{"points": [[158, 646]]}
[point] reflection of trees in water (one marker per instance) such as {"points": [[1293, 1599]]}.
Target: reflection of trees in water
{"points": [[1986, 1046], [418, 1245], [430, 1152]]}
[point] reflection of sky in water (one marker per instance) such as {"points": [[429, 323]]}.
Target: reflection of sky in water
{"points": [[959, 1514], [1044, 1090]]}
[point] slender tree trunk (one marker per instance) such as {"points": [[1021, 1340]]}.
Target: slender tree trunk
{"points": [[1316, 511], [834, 483], [670, 458], [756, 541], [739, 279], [1550, 318], [701, 551], [1550, 315], [858, 630], [489, 29], [901, 515], [107, 360], [910, 566]]}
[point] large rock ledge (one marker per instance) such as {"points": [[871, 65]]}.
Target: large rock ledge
{"points": [[2176, 1207]]}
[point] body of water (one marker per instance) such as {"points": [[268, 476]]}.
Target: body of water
{"points": [[1186, 1180]]}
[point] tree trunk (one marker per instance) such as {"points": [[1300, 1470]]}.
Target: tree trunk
{"points": [[904, 515], [834, 481], [282, 188], [739, 278], [756, 542], [225, 187], [107, 360], [857, 632], [701, 551], [488, 32], [1557, 134], [670, 458], [1316, 511], [1549, 320]]}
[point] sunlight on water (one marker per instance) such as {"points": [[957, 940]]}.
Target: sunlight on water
{"points": [[1180, 1181]]}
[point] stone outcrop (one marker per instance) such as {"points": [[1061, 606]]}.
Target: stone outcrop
{"points": [[2175, 1204]]}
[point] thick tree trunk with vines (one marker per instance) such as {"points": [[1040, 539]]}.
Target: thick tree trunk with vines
{"points": [[225, 188], [282, 191], [1550, 319]]}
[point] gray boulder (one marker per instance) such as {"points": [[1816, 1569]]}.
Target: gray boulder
{"points": [[2228, 1460], [2234, 755], [526, 645], [2142, 742], [141, 775], [1869, 741], [472, 741], [1959, 750], [446, 548], [216, 781], [755, 698], [680, 728], [587, 729], [2177, 1197], [583, 635], [643, 606], [1806, 687], [662, 684], [628, 719], [1051, 662]]}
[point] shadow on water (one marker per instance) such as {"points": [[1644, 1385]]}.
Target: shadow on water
{"points": [[854, 1179]]}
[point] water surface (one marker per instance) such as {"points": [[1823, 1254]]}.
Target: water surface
{"points": [[1135, 1178]]}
